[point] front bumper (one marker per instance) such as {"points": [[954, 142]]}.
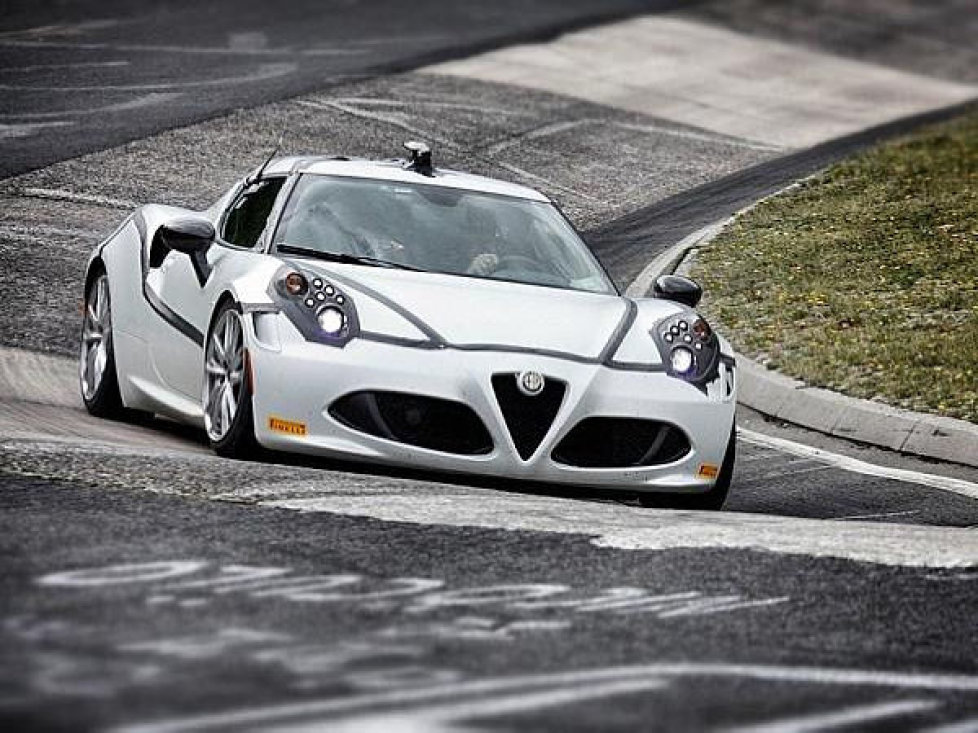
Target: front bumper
{"points": [[296, 382]]}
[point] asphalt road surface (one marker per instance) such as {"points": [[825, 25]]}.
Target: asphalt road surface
{"points": [[146, 612], [148, 585], [85, 76]]}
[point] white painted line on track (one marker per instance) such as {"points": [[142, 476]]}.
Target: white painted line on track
{"points": [[604, 525], [427, 103], [847, 463], [28, 129], [962, 726], [630, 528], [525, 174], [553, 128], [145, 100], [857, 715], [76, 65], [444, 717], [40, 232], [396, 119], [204, 50], [263, 73], [881, 515], [404, 702], [60, 194], [63, 30]]}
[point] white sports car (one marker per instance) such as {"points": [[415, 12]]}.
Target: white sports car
{"points": [[397, 313]]}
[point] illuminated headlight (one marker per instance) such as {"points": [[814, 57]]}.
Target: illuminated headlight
{"points": [[682, 360], [688, 347], [318, 309], [331, 320]]}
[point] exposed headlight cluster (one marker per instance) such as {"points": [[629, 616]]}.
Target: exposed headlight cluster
{"points": [[315, 306], [689, 348]]}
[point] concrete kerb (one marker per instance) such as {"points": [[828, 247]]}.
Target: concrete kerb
{"points": [[820, 409]]}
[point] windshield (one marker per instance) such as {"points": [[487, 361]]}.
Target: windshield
{"points": [[437, 229]]}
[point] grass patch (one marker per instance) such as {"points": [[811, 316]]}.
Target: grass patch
{"points": [[865, 279]]}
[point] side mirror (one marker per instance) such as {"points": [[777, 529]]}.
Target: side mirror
{"points": [[679, 289], [190, 236]]}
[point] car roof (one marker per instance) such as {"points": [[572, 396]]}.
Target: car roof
{"points": [[394, 170]]}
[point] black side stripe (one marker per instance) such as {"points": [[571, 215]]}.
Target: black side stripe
{"points": [[159, 307], [167, 314], [624, 326]]}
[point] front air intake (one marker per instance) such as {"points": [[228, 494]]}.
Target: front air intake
{"points": [[425, 422], [528, 417], [613, 442]]}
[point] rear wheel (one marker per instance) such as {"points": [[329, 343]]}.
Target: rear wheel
{"points": [[96, 360], [228, 412], [708, 500]]}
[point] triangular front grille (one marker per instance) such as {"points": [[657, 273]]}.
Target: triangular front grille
{"points": [[528, 418]]}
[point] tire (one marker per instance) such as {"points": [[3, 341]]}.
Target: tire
{"points": [[97, 376], [711, 500], [228, 409]]}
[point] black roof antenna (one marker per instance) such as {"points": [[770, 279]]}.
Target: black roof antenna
{"points": [[420, 161], [257, 177]]}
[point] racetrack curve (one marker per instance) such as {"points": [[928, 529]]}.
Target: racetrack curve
{"points": [[149, 585]]}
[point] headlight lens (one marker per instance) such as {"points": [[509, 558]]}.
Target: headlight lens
{"points": [[331, 319], [316, 307], [689, 347], [682, 360]]}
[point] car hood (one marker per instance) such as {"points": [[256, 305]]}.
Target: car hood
{"points": [[468, 311]]}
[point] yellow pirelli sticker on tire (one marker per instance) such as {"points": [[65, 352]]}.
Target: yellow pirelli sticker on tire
{"points": [[289, 427], [707, 470]]}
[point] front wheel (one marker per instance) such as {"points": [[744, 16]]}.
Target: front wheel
{"points": [[97, 375], [228, 412], [708, 500]]}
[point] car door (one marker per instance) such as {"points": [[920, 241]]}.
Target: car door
{"points": [[189, 289]]}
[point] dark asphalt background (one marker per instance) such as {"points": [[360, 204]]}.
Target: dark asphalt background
{"points": [[83, 657], [84, 76]]}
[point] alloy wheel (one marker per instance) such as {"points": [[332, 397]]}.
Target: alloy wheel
{"points": [[223, 375], [96, 337]]}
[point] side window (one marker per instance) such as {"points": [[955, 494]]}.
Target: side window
{"points": [[246, 218]]}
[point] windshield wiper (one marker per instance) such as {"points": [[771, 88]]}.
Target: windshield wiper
{"points": [[343, 257]]}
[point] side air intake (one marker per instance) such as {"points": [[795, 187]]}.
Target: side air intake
{"points": [[611, 442], [426, 422]]}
